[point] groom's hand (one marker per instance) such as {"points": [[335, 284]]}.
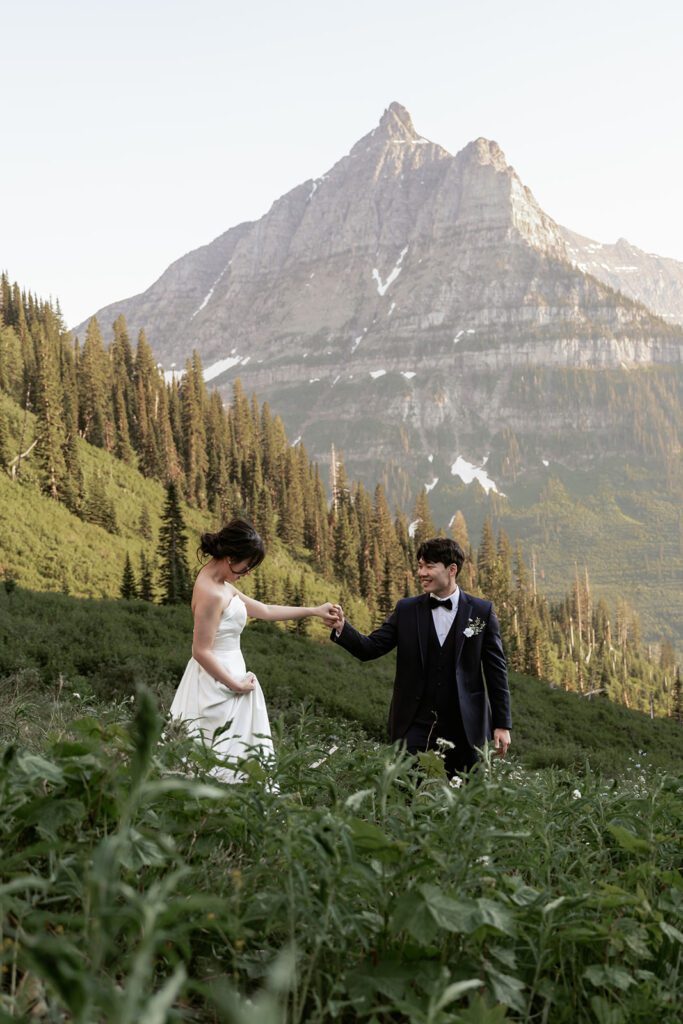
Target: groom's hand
{"points": [[501, 741], [328, 613], [340, 620]]}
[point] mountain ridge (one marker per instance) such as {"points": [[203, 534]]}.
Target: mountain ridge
{"points": [[182, 309], [419, 311]]}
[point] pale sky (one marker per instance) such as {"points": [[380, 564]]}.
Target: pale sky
{"points": [[136, 130]]}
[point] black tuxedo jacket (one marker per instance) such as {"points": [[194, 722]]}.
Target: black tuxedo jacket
{"points": [[484, 696]]}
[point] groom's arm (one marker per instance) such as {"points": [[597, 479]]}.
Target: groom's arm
{"points": [[367, 648], [495, 672]]}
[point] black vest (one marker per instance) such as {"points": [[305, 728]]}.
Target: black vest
{"points": [[439, 701]]}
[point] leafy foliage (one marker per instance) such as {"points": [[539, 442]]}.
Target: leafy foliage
{"points": [[345, 885]]}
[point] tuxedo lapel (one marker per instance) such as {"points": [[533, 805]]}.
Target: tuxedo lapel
{"points": [[461, 619], [424, 615]]}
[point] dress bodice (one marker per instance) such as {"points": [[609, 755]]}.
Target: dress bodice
{"points": [[232, 622]]}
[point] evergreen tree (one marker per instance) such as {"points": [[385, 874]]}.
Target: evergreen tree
{"points": [[129, 588], [422, 517], [678, 698], [5, 450], [387, 595], [95, 418], [148, 423], [194, 402], [301, 599], [99, 508], [11, 363], [145, 524], [346, 548], [50, 427], [146, 586], [260, 586], [487, 562], [175, 579], [73, 490]]}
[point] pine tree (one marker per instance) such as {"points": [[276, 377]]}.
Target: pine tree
{"points": [[422, 517], [146, 586], [5, 451], [387, 595], [93, 378], [129, 588], [11, 363], [98, 507], [677, 714], [50, 427], [145, 524], [147, 428], [73, 490], [194, 401], [175, 580], [302, 626], [487, 561]]}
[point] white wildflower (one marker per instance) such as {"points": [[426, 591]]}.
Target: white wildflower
{"points": [[576, 795], [443, 744]]}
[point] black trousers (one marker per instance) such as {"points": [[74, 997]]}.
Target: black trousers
{"points": [[423, 736]]}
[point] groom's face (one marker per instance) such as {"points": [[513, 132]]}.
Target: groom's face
{"points": [[437, 578]]}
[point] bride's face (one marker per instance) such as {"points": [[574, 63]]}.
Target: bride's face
{"points": [[236, 570]]}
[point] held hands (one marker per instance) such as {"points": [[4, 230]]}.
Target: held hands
{"points": [[331, 614]]}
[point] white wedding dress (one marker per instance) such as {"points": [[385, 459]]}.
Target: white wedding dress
{"points": [[207, 705]]}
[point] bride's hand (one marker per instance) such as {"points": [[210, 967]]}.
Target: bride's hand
{"points": [[245, 685], [329, 613]]}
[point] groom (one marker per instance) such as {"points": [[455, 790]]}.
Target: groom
{"points": [[445, 638]]}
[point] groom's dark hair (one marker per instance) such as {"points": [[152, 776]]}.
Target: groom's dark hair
{"points": [[441, 549]]}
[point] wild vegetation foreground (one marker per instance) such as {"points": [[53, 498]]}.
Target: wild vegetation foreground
{"points": [[342, 885]]}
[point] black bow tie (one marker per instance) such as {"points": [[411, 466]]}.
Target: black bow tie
{"points": [[435, 603]]}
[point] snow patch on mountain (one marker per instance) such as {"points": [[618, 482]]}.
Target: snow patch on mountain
{"points": [[468, 472], [221, 366], [210, 292], [383, 285]]}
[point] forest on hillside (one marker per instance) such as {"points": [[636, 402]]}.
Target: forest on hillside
{"points": [[238, 459]]}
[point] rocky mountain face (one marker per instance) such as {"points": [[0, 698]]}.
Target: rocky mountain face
{"points": [[422, 313], [655, 281]]}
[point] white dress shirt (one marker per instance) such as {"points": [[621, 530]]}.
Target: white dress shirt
{"points": [[443, 617]]}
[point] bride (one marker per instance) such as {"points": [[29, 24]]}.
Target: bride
{"points": [[216, 692]]}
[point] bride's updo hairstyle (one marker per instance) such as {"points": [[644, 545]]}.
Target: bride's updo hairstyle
{"points": [[238, 541]]}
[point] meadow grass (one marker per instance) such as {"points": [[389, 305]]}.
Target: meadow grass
{"points": [[340, 883], [106, 648]]}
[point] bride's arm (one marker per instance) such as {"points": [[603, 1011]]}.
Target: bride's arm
{"points": [[207, 614], [277, 612]]}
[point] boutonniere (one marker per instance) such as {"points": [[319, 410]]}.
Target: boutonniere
{"points": [[474, 627]]}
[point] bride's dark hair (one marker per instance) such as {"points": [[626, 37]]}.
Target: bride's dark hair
{"points": [[237, 540]]}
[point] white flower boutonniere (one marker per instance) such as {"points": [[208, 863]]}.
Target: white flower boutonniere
{"points": [[474, 627]]}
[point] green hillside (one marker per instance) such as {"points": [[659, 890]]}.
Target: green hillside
{"points": [[103, 649], [91, 438], [44, 546]]}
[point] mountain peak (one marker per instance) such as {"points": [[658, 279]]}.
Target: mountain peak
{"points": [[486, 151], [397, 121]]}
